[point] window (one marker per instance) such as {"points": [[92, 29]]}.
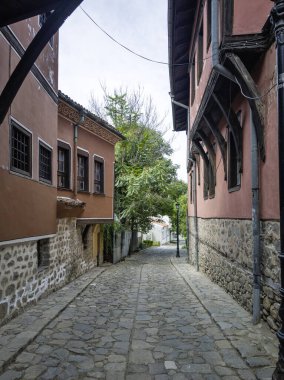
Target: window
{"points": [[209, 18], [45, 155], [191, 188], [42, 20], [234, 179], [193, 81], [42, 253], [63, 166], [21, 141], [205, 181], [82, 176], [200, 53], [98, 175], [234, 176]]}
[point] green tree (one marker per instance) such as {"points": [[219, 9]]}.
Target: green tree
{"points": [[144, 173]]}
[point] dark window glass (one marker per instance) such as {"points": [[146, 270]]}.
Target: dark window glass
{"points": [[200, 53], [44, 163], [191, 189], [233, 172], [82, 173], [192, 77], [208, 23], [63, 168], [20, 150], [98, 176]]}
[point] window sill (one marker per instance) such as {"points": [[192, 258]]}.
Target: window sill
{"points": [[233, 189], [64, 188], [100, 194], [84, 192]]}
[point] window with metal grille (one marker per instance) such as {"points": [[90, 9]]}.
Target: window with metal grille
{"points": [[98, 175], [234, 175], [192, 81], [45, 155], [209, 21], [82, 177], [63, 168], [21, 142]]}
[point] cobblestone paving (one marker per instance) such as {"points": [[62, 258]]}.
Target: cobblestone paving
{"points": [[140, 320]]}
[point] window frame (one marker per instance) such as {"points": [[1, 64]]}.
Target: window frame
{"points": [[64, 147], [200, 53], [100, 160], [49, 149], [209, 23], [85, 156], [193, 81], [236, 185], [28, 134]]}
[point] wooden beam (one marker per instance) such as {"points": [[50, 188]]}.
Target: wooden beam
{"points": [[210, 150], [250, 90], [12, 11], [50, 27], [234, 126], [220, 140]]}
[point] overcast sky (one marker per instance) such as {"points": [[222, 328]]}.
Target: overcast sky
{"points": [[87, 57]]}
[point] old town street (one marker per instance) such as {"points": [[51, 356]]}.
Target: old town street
{"points": [[151, 316]]}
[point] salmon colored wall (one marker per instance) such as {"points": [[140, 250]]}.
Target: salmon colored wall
{"points": [[250, 16], [28, 208], [97, 206], [47, 60], [207, 68], [238, 204]]}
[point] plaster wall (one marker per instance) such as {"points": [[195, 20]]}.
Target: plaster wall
{"points": [[237, 204], [97, 205], [250, 16]]}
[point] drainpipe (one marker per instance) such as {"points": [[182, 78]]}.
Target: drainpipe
{"points": [[75, 145], [195, 212], [255, 225], [217, 66], [277, 17]]}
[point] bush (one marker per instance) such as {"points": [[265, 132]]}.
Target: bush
{"points": [[156, 244], [147, 243]]}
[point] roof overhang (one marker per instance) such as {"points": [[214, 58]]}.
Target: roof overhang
{"points": [[17, 10], [180, 27]]}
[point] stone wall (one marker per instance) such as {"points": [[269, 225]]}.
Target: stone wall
{"points": [[32, 269], [225, 255]]}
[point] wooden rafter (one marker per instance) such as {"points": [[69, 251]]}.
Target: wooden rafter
{"points": [[50, 27], [219, 139], [252, 95], [234, 126]]}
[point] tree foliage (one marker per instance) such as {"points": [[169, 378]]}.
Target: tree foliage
{"points": [[146, 184]]}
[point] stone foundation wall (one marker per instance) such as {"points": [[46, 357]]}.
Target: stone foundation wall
{"points": [[225, 255], [30, 270]]}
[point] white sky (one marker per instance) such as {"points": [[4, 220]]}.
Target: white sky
{"points": [[87, 57]]}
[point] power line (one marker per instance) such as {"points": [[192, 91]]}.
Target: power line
{"points": [[130, 50]]}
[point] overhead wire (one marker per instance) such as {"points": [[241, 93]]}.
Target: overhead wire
{"points": [[166, 63]]}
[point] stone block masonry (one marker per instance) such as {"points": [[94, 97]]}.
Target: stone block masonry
{"points": [[32, 269], [225, 255]]}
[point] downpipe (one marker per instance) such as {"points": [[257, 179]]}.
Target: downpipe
{"points": [[255, 225], [219, 68], [277, 18]]}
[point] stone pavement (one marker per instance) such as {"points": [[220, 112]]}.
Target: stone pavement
{"points": [[149, 317]]}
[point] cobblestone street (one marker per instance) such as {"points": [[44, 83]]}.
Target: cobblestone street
{"points": [[149, 317]]}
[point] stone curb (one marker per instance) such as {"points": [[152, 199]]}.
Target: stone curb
{"points": [[58, 301], [230, 319]]}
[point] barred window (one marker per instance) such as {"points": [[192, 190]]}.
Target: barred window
{"points": [[21, 142], [98, 175], [82, 177], [45, 155], [63, 168]]}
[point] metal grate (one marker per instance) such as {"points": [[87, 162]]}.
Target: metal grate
{"points": [[20, 150]]}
